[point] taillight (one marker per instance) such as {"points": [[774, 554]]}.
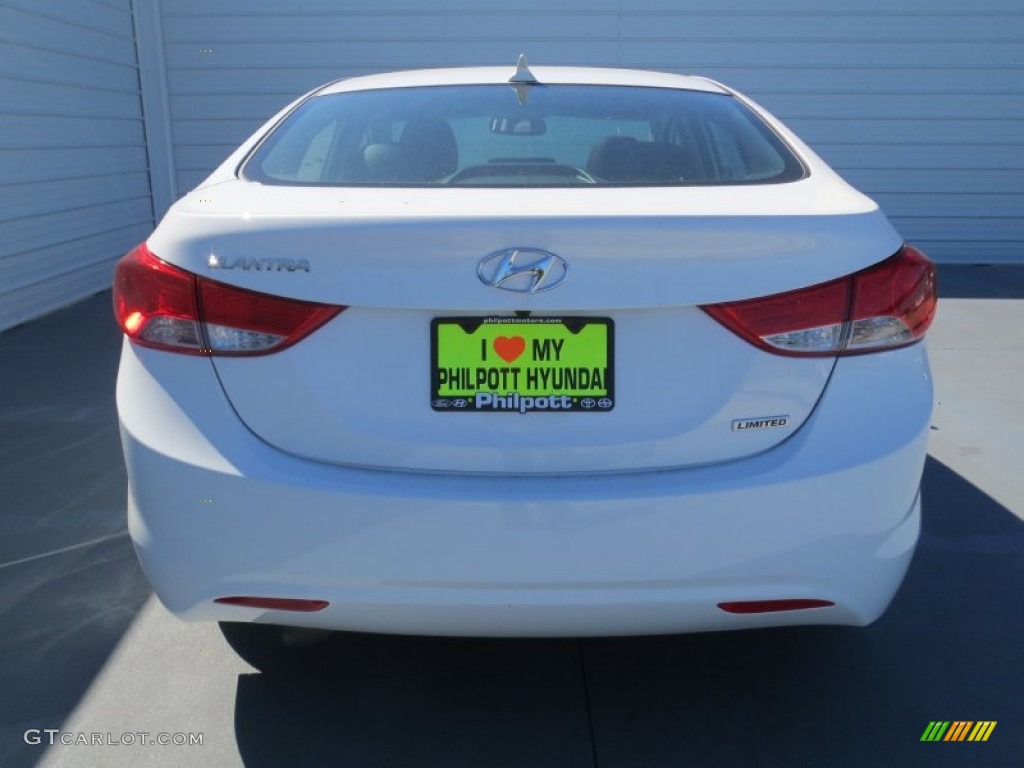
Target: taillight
{"points": [[159, 305], [883, 307]]}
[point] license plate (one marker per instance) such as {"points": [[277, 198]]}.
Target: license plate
{"points": [[522, 364]]}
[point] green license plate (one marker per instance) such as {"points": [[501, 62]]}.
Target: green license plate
{"points": [[522, 364]]}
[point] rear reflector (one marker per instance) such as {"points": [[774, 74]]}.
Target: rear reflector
{"points": [[159, 305], [275, 603], [883, 307], [771, 606]]}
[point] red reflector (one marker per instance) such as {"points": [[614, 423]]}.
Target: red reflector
{"points": [[770, 606], [275, 603]]}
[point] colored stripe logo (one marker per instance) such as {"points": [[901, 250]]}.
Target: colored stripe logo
{"points": [[958, 730]]}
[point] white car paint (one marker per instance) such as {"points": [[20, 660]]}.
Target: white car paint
{"points": [[319, 472]]}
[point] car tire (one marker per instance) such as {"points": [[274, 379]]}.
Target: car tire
{"points": [[268, 646]]}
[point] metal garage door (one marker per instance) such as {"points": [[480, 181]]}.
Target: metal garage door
{"points": [[74, 184]]}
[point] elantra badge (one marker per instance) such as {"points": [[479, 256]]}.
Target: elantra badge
{"points": [[264, 265], [522, 270]]}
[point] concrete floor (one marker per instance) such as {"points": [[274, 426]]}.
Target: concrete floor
{"points": [[85, 648]]}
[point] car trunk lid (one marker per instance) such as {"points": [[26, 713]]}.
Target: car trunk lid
{"points": [[683, 390]]}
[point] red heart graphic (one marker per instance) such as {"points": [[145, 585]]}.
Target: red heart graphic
{"points": [[509, 349]]}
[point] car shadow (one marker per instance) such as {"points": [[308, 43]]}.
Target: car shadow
{"points": [[70, 585], [381, 700], [948, 649]]}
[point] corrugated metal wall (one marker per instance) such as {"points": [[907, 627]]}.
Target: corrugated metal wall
{"points": [[919, 103], [74, 184]]}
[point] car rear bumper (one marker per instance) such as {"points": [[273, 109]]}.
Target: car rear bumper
{"points": [[832, 513]]}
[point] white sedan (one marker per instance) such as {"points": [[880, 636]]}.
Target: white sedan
{"points": [[511, 352]]}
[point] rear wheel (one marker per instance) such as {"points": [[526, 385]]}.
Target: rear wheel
{"points": [[269, 646]]}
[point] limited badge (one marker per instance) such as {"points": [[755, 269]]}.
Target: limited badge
{"points": [[763, 422]]}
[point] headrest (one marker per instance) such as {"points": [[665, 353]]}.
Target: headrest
{"points": [[386, 162], [624, 159], [433, 151]]}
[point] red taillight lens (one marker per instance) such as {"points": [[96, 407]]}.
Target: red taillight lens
{"points": [[810, 321], [159, 305], [240, 322], [886, 306], [155, 303], [893, 302]]}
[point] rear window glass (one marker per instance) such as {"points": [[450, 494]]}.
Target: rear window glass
{"points": [[530, 136]]}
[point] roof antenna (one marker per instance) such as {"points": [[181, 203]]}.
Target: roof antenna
{"points": [[523, 73], [522, 79]]}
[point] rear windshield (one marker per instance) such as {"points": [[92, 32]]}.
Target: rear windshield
{"points": [[525, 136]]}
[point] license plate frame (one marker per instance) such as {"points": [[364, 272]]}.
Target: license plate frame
{"points": [[580, 379]]}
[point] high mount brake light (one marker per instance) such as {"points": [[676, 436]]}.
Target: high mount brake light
{"points": [[159, 305], [886, 306]]}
